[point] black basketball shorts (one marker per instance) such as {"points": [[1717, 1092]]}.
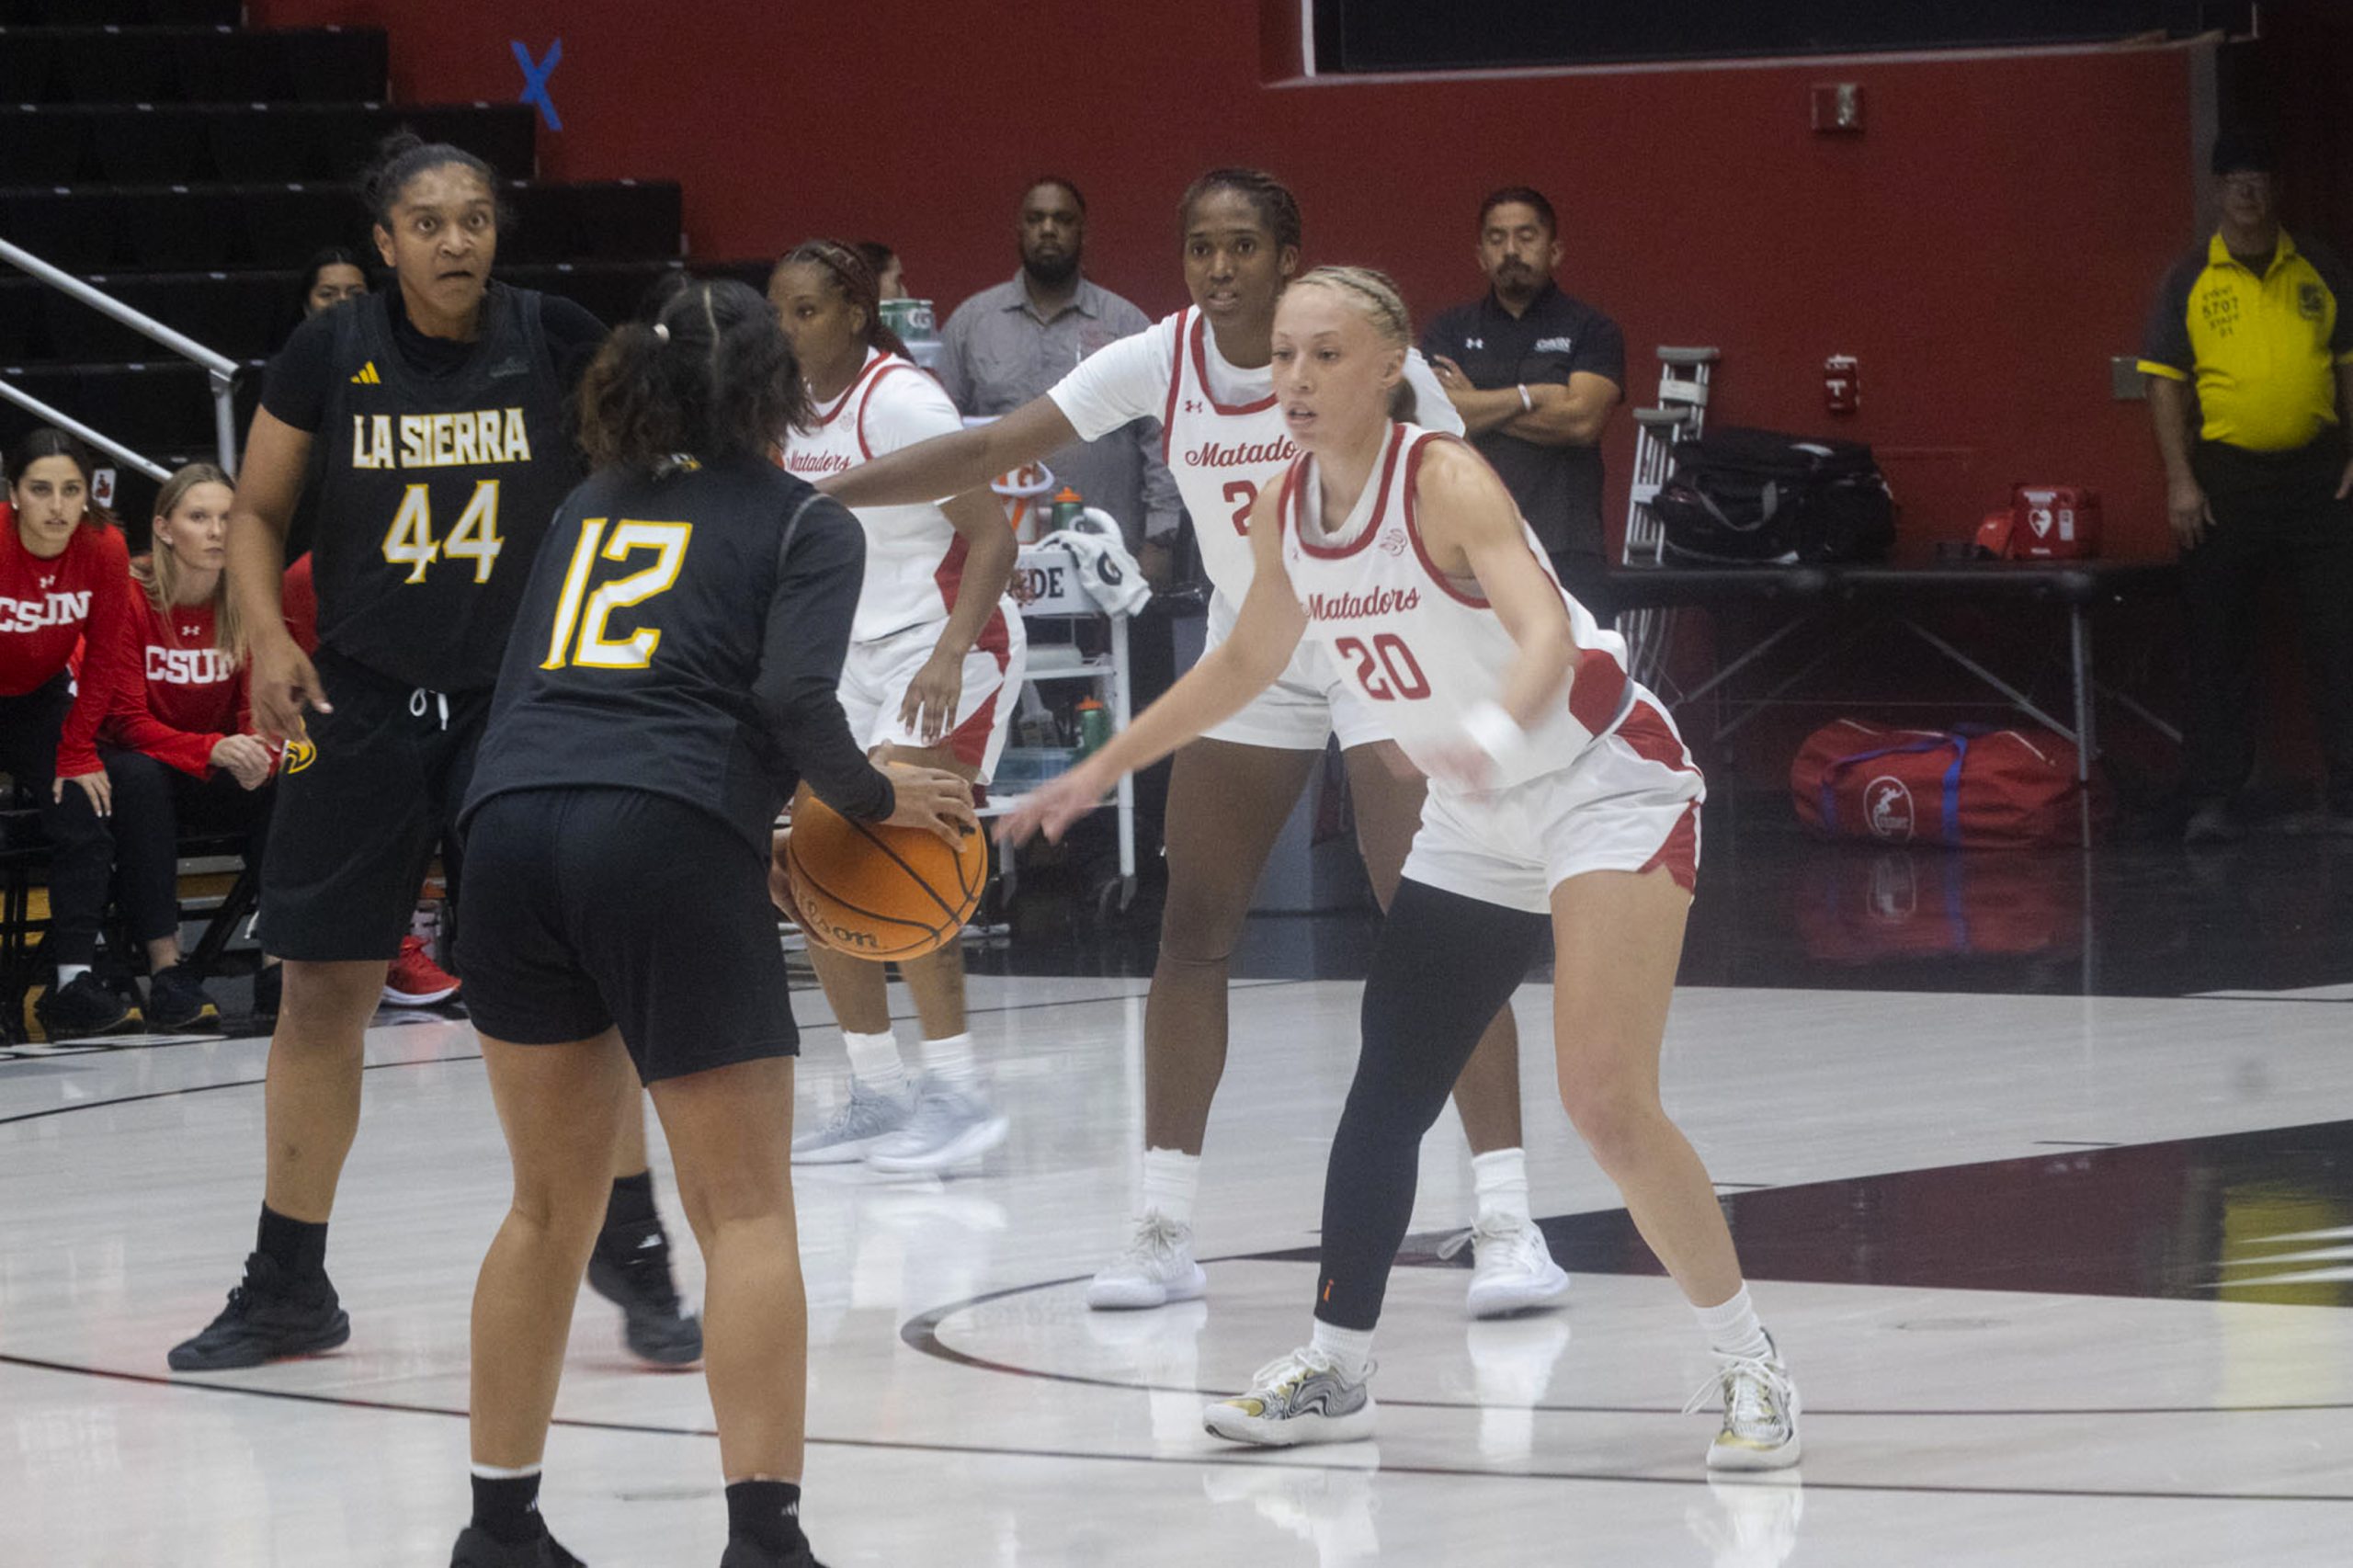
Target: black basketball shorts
{"points": [[362, 805], [586, 908]]}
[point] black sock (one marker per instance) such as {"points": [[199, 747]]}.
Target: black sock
{"points": [[767, 1514], [507, 1509], [632, 1202], [297, 1246]]}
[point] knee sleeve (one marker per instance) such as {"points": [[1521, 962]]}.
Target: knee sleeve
{"points": [[1443, 968]]}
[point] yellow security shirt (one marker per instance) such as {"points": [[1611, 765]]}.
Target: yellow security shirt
{"points": [[2262, 350]]}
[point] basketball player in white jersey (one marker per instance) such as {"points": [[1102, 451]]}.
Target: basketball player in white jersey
{"points": [[934, 668], [1204, 373], [1562, 805]]}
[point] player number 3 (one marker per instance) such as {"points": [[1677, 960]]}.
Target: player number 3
{"points": [[578, 637]]}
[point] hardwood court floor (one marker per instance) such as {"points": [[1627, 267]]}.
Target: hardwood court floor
{"points": [[2064, 1279]]}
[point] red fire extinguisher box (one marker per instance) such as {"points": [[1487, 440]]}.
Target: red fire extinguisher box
{"points": [[2044, 522]]}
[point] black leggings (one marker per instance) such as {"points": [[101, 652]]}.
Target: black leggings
{"points": [[1443, 967], [82, 849], [153, 804]]}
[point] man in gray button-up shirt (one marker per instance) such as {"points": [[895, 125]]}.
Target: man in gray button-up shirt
{"points": [[1009, 344]]}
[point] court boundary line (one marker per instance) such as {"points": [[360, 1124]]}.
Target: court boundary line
{"points": [[1246, 1458], [921, 1335]]}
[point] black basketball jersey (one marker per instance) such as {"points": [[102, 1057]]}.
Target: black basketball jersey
{"points": [[434, 492], [683, 634]]}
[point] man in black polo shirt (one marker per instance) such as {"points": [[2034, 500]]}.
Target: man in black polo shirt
{"points": [[2249, 361], [1534, 374]]}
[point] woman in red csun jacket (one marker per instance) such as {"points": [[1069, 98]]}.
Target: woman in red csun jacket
{"points": [[64, 576], [177, 737]]}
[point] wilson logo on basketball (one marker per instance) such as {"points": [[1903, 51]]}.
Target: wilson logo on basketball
{"points": [[1889, 801]]}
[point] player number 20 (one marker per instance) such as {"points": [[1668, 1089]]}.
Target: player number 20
{"points": [[579, 635], [1386, 670], [409, 542]]}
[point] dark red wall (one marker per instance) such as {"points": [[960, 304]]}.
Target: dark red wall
{"points": [[1985, 247]]}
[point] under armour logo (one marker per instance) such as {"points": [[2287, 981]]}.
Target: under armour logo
{"points": [[535, 79], [1475, 343], [1192, 405], [47, 578], [188, 631]]}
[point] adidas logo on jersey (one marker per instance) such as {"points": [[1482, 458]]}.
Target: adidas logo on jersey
{"points": [[367, 376]]}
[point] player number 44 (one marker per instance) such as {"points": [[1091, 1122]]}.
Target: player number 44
{"points": [[410, 542]]}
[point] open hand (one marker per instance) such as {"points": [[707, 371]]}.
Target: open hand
{"points": [[97, 786], [935, 799], [1053, 806], [929, 709]]}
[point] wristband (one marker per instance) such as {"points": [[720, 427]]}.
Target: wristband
{"points": [[1527, 404], [1494, 732]]}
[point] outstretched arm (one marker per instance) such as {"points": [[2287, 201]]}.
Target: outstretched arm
{"points": [[950, 465]]}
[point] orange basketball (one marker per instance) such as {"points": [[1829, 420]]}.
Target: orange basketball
{"points": [[875, 892]]}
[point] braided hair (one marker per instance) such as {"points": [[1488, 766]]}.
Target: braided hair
{"points": [[1277, 208], [1375, 294], [854, 280]]}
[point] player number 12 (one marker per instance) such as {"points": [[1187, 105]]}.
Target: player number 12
{"points": [[578, 637]]}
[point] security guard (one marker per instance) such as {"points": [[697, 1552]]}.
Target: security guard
{"points": [[2249, 362]]}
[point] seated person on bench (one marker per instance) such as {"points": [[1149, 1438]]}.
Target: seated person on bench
{"points": [[177, 738]]}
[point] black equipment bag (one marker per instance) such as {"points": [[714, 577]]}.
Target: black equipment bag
{"points": [[1760, 497]]}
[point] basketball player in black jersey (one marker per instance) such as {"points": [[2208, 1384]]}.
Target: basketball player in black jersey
{"points": [[436, 408], [671, 680]]}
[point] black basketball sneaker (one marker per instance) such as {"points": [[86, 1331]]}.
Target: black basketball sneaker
{"points": [[85, 1007], [269, 1317], [631, 1268], [177, 1000], [477, 1549]]}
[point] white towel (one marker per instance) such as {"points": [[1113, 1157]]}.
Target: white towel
{"points": [[1110, 574]]}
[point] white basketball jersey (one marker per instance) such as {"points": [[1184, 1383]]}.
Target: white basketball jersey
{"points": [[1423, 648], [1220, 454], [914, 558]]}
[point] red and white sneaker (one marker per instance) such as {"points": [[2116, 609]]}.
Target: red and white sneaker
{"points": [[414, 979]]}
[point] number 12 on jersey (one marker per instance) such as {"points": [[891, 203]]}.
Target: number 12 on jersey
{"points": [[579, 636]]}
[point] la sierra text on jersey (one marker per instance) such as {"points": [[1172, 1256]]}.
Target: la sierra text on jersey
{"points": [[465, 439]]}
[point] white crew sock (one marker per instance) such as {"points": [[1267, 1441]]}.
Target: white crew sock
{"points": [[1171, 1177], [67, 973], [1501, 1179], [950, 1060], [494, 1472], [1350, 1348], [874, 1061], [1731, 1328]]}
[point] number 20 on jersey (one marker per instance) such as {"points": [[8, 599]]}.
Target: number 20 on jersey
{"points": [[580, 634]]}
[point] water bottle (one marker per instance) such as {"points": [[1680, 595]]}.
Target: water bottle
{"points": [[1094, 726], [913, 321]]}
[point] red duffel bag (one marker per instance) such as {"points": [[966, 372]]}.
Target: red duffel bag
{"points": [[1966, 789]]}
